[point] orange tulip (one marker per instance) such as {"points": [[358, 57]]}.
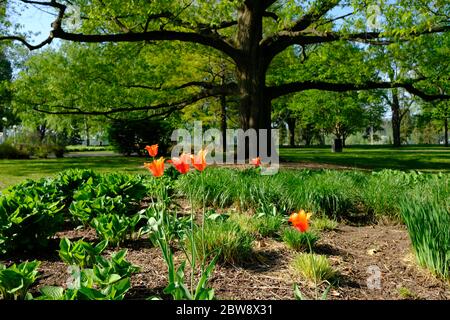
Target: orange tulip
{"points": [[300, 220], [256, 162], [181, 163], [152, 150], [199, 161], [156, 167]]}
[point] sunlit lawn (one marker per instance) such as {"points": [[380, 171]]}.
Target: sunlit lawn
{"points": [[423, 158], [14, 171]]}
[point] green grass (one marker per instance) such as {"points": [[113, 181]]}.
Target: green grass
{"points": [[15, 171], [423, 158], [263, 226], [299, 241], [357, 196], [313, 267], [226, 239], [324, 224], [428, 223]]}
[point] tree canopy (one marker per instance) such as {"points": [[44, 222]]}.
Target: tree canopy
{"points": [[331, 45]]}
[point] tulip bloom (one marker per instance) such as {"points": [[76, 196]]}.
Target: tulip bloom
{"points": [[152, 150], [256, 162], [300, 220], [181, 163], [199, 161], [156, 167]]}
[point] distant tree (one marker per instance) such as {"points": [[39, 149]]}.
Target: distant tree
{"points": [[7, 116]]}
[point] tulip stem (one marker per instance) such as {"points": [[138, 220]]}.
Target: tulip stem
{"points": [[203, 221], [193, 248]]}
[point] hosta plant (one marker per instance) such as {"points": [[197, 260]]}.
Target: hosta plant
{"points": [[80, 253], [108, 279], [85, 208], [27, 223], [116, 228], [88, 288], [16, 280]]}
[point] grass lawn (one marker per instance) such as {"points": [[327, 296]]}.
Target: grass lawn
{"points": [[15, 171], [423, 158]]}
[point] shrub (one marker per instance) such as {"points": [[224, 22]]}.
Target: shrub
{"points": [[225, 238], [313, 267], [428, 224], [42, 144], [299, 241], [8, 151], [128, 137]]}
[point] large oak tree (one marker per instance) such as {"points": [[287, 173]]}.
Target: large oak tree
{"points": [[253, 34]]}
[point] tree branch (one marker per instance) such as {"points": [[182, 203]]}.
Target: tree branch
{"points": [[281, 90], [228, 89], [313, 15], [204, 36], [283, 39]]}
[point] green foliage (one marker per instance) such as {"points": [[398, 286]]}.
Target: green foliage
{"points": [[323, 224], [129, 137], [114, 291], [428, 227], [16, 280], [260, 225], [116, 228], [86, 210], [80, 253], [299, 241], [8, 151], [298, 295], [27, 223], [340, 195], [109, 279], [224, 239], [313, 267], [33, 211], [117, 264]]}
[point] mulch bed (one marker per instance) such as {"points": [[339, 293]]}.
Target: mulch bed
{"points": [[352, 250]]}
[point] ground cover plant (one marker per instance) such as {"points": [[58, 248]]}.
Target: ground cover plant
{"points": [[210, 219]]}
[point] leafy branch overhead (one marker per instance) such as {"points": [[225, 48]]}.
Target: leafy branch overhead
{"points": [[252, 37]]}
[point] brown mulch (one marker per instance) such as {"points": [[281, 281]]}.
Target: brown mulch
{"points": [[352, 251]]}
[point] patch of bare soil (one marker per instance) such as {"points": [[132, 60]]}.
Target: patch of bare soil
{"points": [[357, 253]]}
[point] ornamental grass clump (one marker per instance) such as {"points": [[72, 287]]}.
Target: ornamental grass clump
{"points": [[313, 267], [226, 239], [428, 223]]}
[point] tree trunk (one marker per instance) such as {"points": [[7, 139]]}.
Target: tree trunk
{"points": [[255, 107], [396, 119], [223, 121], [86, 128], [446, 131], [42, 130], [291, 125]]}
